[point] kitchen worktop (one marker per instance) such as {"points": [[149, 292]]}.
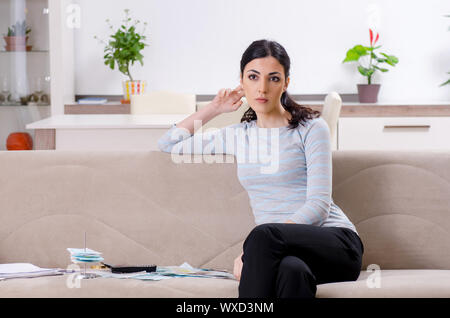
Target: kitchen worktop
{"points": [[88, 121]]}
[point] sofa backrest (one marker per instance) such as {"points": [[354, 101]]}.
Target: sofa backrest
{"points": [[399, 202], [142, 207], [137, 207]]}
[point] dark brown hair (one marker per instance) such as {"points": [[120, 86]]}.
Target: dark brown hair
{"points": [[263, 48]]}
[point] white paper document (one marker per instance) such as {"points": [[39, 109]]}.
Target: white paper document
{"points": [[26, 270]]}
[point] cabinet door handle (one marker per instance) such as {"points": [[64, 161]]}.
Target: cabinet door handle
{"points": [[407, 126]]}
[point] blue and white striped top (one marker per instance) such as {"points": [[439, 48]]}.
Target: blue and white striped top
{"points": [[286, 172]]}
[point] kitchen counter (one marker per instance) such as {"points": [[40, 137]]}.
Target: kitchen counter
{"points": [[121, 121], [102, 132], [391, 109]]}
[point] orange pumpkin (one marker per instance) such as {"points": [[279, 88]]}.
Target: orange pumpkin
{"points": [[19, 141]]}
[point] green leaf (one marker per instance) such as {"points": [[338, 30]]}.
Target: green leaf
{"points": [[390, 59], [380, 68], [361, 50], [364, 71], [445, 83], [393, 59], [351, 56]]}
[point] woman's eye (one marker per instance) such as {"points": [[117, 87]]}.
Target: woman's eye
{"points": [[274, 78]]}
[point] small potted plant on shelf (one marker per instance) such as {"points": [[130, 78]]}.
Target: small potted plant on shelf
{"points": [[368, 93], [122, 50], [17, 36]]}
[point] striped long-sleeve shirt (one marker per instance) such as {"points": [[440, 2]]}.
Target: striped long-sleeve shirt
{"points": [[286, 172]]}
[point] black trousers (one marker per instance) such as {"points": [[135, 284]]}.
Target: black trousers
{"points": [[283, 260]]}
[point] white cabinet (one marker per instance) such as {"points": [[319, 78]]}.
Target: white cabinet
{"points": [[103, 132], [394, 133], [36, 77]]}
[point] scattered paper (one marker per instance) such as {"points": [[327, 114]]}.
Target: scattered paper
{"points": [[167, 272], [26, 270], [186, 270]]}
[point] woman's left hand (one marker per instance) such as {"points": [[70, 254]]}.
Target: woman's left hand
{"points": [[238, 267]]}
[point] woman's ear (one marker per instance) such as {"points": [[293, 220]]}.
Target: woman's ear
{"points": [[286, 84]]}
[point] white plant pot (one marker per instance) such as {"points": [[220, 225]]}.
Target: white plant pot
{"points": [[133, 88]]}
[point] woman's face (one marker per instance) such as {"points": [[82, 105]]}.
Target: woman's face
{"points": [[263, 81]]}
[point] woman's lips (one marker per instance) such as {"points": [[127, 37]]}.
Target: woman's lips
{"points": [[261, 100]]}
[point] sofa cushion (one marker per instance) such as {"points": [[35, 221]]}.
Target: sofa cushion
{"points": [[180, 287], [393, 283]]}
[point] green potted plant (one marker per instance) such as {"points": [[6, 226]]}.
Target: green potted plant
{"points": [[368, 93], [17, 36], [122, 50]]}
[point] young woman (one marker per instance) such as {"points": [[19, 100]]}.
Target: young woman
{"points": [[301, 237]]}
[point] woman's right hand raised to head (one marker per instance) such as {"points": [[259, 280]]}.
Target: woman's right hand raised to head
{"points": [[228, 100]]}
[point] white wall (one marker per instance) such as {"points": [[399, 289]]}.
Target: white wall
{"points": [[196, 45]]}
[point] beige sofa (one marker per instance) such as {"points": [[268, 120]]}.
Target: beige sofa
{"points": [[141, 207]]}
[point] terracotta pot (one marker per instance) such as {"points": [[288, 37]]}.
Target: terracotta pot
{"points": [[368, 93], [19, 141], [16, 43]]}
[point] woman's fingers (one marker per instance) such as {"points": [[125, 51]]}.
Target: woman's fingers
{"points": [[237, 104], [237, 270], [239, 91], [231, 96]]}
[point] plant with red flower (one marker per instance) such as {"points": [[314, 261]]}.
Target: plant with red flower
{"points": [[358, 51]]}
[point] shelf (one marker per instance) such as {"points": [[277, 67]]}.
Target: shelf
{"points": [[21, 52], [108, 108], [23, 105], [391, 110]]}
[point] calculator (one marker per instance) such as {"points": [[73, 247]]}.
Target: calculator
{"points": [[118, 269]]}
